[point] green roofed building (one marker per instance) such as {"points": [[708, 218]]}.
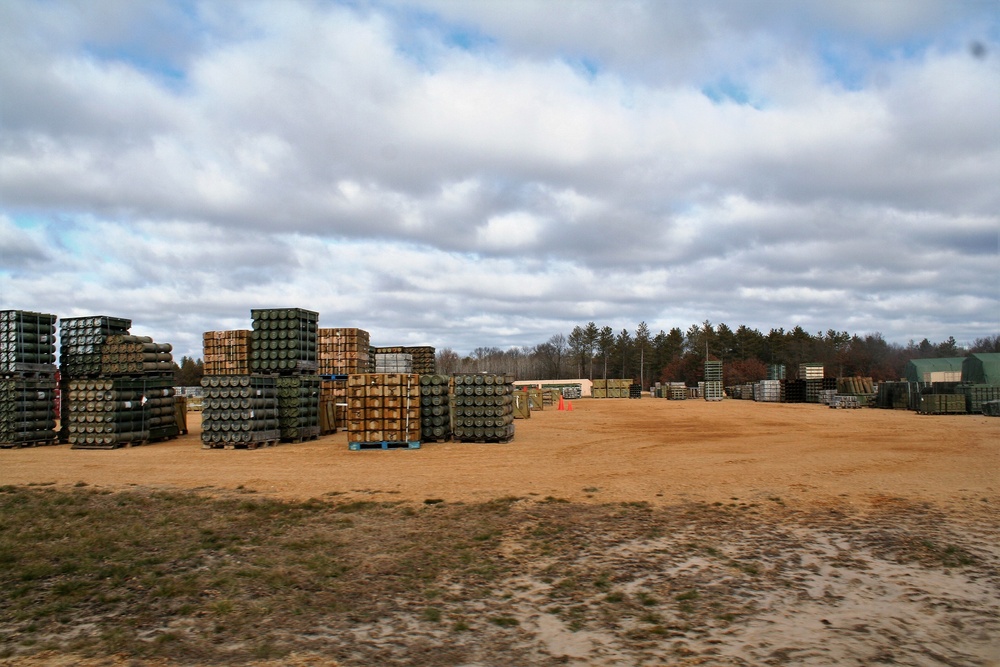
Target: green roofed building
{"points": [[934, 370], [982, 368]]}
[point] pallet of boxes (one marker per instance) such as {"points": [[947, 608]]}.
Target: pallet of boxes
{"points": [[383, 411], [117, 388], [341, 351], [27, 379], [276, 396]]}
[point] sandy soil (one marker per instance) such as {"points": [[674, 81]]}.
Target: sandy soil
{"points": [[783, 534], [603, 451]]}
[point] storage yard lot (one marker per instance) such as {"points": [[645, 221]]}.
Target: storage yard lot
{"points": [[651, 450], [696, 533]]}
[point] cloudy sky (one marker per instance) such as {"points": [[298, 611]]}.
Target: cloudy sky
{"points": [[465, 174]]}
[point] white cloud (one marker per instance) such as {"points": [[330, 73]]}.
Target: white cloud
{"points": [[463, 173]]}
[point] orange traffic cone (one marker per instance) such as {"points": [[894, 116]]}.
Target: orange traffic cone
{"points": [[569, 406], [562, 406]]}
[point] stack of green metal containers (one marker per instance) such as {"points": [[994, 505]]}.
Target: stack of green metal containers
{"points": [[27, 379], [483, 408], [239, 411], [117, 388], [435, 416], [283, 343]]}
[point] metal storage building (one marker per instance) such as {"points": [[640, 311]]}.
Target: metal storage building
{"points": [[934, 370], [982, 368]]}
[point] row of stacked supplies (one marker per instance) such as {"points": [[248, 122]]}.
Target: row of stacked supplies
{"points": [[611, 388], [117, 388], [401, 410], [27, 378], [420, 360], [262, 385]]}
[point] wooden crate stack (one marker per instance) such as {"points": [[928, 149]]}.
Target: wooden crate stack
{"points": [[239, 411], [435, 415], [611, 388], [227, 352], [383, 410], [343, 351], [332, 404], [483, 407], [27, 379]]}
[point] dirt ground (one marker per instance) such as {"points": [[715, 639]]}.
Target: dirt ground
{"points": [[776, 534], [610, 450]]}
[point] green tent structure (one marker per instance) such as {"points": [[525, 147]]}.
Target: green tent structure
{"points": [[982, 368], [934, 370]]}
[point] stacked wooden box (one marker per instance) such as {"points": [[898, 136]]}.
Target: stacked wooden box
{"points": [[483, 407], [611, 388], [298, 406], [435, 415], [227, 352], [424, 359], [343, 351], [383, 410], [239, 411], [27, 379]]}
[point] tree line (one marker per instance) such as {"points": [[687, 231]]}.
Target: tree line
{"points": [[594, 352]]}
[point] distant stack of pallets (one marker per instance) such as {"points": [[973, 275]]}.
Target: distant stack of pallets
{"points": [[611, 388], [942, 404], [713, 381], [635, 391], [769, 391], [420, 359], [813, 374], [27, 379], [117, 389], [435, 416], [239, 411], [978, 394], [383, 411], [393, 362], [227, 352], [483, 407]]}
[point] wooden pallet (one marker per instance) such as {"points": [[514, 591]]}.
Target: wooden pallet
{"points": [[384, 444], [29, 443], [239, 445]]}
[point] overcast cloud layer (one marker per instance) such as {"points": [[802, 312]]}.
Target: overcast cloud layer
{"points": [[465, 174]]}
